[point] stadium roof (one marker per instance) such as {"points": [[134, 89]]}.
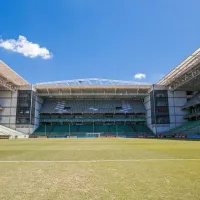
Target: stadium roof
{"points": [[9, 79], [91, 88], [186, 76], [90, 82]]}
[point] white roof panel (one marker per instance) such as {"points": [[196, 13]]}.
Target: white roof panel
{"points": [[11, 76], [91, 82]]}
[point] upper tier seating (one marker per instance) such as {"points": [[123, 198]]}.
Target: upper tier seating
{"points": [[92, 106], [74, 119]]}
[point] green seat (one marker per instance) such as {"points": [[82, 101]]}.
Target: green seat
{"points": [[100, 128], [141, 128], [184, 127], [60, 130], [43, 130], [86, 128], [123, 128]]}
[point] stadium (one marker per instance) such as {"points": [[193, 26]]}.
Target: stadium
{"points": [[101, 139], [99, 100], [97, 107]]}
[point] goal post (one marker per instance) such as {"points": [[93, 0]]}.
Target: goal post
{"points": [[93, 135]]}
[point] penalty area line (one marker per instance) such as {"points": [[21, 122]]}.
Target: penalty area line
{"points": [[98, 161]]}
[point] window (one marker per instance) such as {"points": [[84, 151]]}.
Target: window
{"points": [[25, 107]]}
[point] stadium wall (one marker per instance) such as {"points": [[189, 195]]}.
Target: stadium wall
{"points": [[171, 113], [34, 108], [30, 128], [8, 102], [9, 105], [147, 104], [176, 100]]}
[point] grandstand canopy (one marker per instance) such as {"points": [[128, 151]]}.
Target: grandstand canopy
{"points": [[9, 79], [186, 76], [91, 88], [90, 81]]}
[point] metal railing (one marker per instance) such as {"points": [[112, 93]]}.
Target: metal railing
{"points": [[92, 134], [92, 119]]}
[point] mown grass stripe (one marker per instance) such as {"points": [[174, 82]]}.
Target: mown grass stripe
{"points": [[93, 161]]}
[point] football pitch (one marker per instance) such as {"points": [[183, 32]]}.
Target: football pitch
{"points": [[99, 169]]}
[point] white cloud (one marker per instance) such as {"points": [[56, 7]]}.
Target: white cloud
{"points": [[140, 76], [23, 46]]}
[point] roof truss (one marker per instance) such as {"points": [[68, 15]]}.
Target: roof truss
{"points": [[7, 85], [89, 81], [184, 74], [11, 76]]}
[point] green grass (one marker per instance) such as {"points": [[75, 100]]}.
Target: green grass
{"points": [[135, 178]]}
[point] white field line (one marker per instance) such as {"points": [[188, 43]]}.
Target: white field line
{"points": [[96, 161]]}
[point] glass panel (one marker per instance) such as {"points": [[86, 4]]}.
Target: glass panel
{"points": [[25, 113]]}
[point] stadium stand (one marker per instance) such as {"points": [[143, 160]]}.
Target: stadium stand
{"points": [[92, 118], [83, 130], [43, 130], [141, 129], [103, 107], [194, 101], [92, 106], [186, 128]]}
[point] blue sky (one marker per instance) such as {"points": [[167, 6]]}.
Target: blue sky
{"points": [[111, 39]]}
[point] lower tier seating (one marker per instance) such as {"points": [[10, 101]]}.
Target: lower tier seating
{"points": [[84, 130], [186, 128]]}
